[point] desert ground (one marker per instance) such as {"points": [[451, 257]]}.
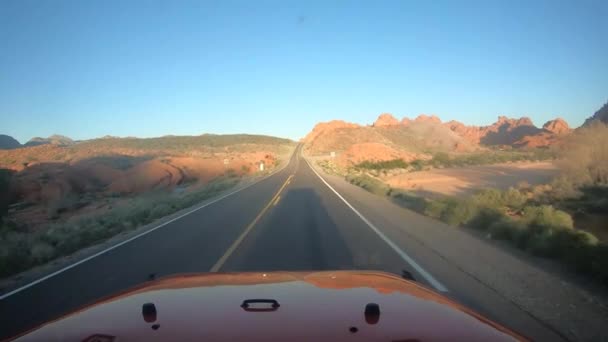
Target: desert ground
{"points": [[466, 180]]}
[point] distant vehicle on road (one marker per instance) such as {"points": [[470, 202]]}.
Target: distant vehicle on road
{"points": [[274, 306]]}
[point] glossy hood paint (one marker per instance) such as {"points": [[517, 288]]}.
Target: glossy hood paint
{"points": [[310, 306]]}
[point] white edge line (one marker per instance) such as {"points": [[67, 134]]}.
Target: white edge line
{"points": [[48, 276], [426, 275]]}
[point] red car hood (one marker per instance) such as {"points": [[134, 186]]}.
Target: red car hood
{"points": [[310, 306]]}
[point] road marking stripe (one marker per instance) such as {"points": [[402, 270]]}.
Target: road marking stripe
{"points": [[48, 276], [278, 199], [426, 275], [241, 237]]}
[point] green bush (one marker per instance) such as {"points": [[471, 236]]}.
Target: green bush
{"points": [[599, 263], [514, 199], [441, 159], [497, 199], [506, 228], [575, 247], [382, 165], [434, 208], [545, 216], [160, 210], [457, 212], [485, 217], [368, 183], [417, 165], [41, 252], [409, 200]]}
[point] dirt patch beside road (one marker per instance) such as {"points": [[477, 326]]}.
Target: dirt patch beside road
{"points": [[465, 180]]}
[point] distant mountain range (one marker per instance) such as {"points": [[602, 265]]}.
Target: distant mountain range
{"points": [[7, 142]]}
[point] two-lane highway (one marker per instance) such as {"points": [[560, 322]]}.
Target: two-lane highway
{"points": [[293, 220]]}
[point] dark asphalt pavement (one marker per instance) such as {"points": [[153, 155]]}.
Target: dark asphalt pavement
{"points": [[305, 226]]}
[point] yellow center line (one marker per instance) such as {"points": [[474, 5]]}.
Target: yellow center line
{"points": [[277, 201], [237, 242]]}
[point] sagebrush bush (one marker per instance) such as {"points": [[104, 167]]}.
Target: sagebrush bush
{"points": [[368, 183], [546, 216], [506, 228], [489, 198], [383, 165], [160, 210], [434, 208], [458, 212], [584, 155], [514, 199], [41, 252], [409, 200], [485, 217]]}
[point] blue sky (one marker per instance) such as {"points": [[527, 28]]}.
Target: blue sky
{"points": [[149, 68]]}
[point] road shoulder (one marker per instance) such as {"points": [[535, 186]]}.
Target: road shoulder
{"points": [[559, 304]]}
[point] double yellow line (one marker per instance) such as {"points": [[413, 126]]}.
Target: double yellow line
{"points": [[275, 199]]}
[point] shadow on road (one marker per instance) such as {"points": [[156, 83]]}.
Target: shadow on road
{"points": [[297, 234]]}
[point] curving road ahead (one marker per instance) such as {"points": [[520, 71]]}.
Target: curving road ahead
{"points": [[295, 219]]}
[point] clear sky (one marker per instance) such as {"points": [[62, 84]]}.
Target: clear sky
{"points": [[149, 68]]}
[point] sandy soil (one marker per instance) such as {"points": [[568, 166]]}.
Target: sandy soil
{"points": [[461, 181]]}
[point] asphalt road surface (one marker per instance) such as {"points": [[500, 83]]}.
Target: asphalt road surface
{"points": [[291, 220]]}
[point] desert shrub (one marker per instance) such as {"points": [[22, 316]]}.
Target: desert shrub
{"points": [[514, 199], [14, 253], [160, 210], [545, 216], [563, 188], [41, 252], [457, 212], [409, 200], [441, 159], [599, 263], [368, 183], [506, 228], [382, 165], [417, 165], [575, 247], [5, 180], [584, 155], [489, 198], [19, 251], [434, 208], [485, 217]]}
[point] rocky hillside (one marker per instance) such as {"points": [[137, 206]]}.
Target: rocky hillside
{"points": [[387, 138], [600, 115], [7, 142], [61, 176], [56, 139], [512, 132]]}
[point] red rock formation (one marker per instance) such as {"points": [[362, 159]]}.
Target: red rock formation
{"points": [[557, 126], [406, 121], [427, 118], [324, 127], [514, 132], [470, 133], [386, 119]]}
